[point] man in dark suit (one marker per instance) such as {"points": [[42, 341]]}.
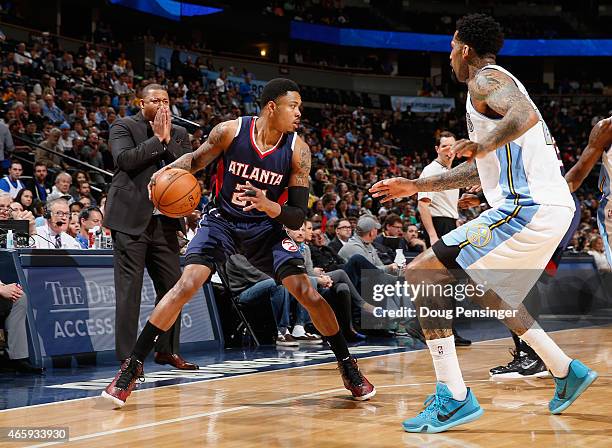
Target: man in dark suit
{"points": [[142, 237], [343, 233]]}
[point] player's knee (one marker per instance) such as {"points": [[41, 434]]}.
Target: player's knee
{"points": [[308, 296], [192, 279]]}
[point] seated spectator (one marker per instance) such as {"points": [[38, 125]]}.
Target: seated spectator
{"points": [[14, 306], [91, 153], [50, 159], [343, 232], [252, 285], [74, 228], [324, 258], [40, 185], [84, 191], [52, 235], [596, 250], [329, 206], [337, 295], [361, 244], [389, 241], [412, 242], [26, 199], [85, 201], [51, 111], [89, 219], [11, 183], [65, 141], [75, 208], [330, 230], [14, 210], [31, 132], [61, 189]]}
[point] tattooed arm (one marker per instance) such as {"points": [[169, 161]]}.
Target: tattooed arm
{"points": [[300, 170], [502, 95], [462, 176], [218, 141]]}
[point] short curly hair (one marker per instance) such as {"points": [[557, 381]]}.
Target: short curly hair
{"points": [[481, 32]]}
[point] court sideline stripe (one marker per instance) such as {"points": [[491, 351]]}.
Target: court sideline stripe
{"points": [[226, 411], [256, 373], [233, 376]]}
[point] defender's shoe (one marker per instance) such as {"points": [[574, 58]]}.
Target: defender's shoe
{"points": [[443, 412], [567, 389]]}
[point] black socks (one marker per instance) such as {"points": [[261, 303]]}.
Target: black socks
{"points": [[146, 341], [338, 346]]}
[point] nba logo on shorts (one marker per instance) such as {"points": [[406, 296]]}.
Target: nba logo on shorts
{"points": [[289, 245], [440, 350]]}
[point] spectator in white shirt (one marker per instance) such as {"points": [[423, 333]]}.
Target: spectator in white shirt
{"points": [[65, 140], [52, 235], [21, 56], [596, 250]]}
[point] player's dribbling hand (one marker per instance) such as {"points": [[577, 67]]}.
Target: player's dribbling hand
{"points": [[601, 134], [154, 177], [389, 189], [255, 197]]}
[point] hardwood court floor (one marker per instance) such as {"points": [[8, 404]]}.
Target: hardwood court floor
{"points": [[307, 407]]}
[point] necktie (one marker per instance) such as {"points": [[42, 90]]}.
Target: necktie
{"points": [[58, 241]]}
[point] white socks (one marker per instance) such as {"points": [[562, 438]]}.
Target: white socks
{"points": [[554, 358], [298, 331], [447, 365]]}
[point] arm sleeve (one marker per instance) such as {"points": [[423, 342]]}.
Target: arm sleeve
{"points": [[293, 213]]}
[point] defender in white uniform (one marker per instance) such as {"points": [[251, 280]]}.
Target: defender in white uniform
{"points": [[517, 167], [598, 148]]}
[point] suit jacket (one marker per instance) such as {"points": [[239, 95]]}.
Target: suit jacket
{"points": [[138, 154], [336, 245]]}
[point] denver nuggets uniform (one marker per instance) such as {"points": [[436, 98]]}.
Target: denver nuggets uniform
{"points": [[531, 203], [225, 228], [604, 214]]}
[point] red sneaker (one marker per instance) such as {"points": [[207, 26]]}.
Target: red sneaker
{"points": [[124, 382], [355, 381]]}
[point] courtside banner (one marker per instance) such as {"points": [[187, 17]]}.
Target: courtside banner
{"points": [[74, 310]]}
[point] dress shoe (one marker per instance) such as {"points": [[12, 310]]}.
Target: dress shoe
{"points": [[461, 341], [175, 360], [22, 366]]}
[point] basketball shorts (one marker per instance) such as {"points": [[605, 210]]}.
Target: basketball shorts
{"points": [[604, 221], [265, 243], [506, 248]]}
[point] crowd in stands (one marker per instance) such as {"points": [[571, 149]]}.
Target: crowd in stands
{"points": [[395, 15], [66, 102]]}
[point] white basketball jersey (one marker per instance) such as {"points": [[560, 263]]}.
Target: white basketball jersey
{"points": [[526, 170], [605, 173]]}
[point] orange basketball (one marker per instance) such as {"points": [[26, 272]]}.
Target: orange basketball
{"points": [[176, 193]]}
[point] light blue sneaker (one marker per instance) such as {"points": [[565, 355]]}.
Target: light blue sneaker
{"points": [[442, 412], [569, 388]]}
